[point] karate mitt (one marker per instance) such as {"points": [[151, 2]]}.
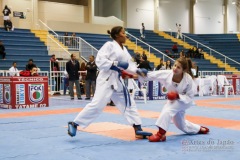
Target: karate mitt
{"points": [[172, 95], [126, 74], [119, 65], [142, 72]]}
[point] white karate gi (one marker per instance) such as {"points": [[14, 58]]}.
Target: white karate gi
{"points": [[107, 80], [179, 33], [175, 110], [13, 71]]}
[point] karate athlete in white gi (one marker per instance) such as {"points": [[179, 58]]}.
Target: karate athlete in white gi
{"points": [[181, 90], [110, 59]]}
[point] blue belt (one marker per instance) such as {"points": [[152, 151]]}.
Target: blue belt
{"points": [[125, 92]]}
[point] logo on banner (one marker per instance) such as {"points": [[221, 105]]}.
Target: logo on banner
{"points": [[36, 92], [164, 90], [1, 93], [20, 94], [7, 93], [155, 88]]}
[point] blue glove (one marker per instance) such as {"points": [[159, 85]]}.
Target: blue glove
{"points": [[142, 72], [120, 66]]}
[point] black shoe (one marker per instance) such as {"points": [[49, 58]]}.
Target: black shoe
{"points": [[87, 98], [72, 98], [79, 98]]}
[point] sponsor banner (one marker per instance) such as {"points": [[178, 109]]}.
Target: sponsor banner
{"points": [[7, 93], [155, 91], [20, 94], [1, 93], [36, 92]]}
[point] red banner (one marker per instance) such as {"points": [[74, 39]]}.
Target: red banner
{"points": [[23, 92]]}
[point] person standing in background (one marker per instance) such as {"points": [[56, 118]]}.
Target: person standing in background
{"points": [[2, 50], [30, 65], [13, 70], [91, 77], [179, 32], [73, 67], [142, 31], [6, 11]]}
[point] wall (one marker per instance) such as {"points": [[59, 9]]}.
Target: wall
{"points": [[140, 11], [106, 8], [61, 12], [172, 12], [208, 17], [232, 18]]}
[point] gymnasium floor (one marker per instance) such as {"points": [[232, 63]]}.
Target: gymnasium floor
{"points": [[41, 133]]}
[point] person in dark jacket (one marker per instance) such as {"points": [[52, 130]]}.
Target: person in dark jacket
{"points": [[72, 68], [91, 77], [145, 64], [30, 65], [2, 50]]}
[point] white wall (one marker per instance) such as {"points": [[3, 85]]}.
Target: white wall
{"points": [[60, 12], [172, 12], [140, 11], [232, 18], [208, 17]]}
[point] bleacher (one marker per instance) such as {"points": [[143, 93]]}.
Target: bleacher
{"points": [[97, 41], [163, 44], [227, 44], [21, 45]]}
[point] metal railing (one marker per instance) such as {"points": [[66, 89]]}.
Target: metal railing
{"points": [[150, 49], [77, 44], [212, 52], [47, 28]]}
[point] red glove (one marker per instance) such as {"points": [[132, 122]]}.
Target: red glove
{"points": [[172, 95], [126, 74]]}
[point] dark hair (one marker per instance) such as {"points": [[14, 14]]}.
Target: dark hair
{"points": [[115, 31], [30, 60], [6, 7], [170, 65], [53, 55], [14, 62], [71, 55], [186, 65]]}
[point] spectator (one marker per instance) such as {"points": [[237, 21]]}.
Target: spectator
{"points": [[8, 25], [137, 58], [13, 70], [66, 82], [189, 53], [144, 56], [142, 31], [73, 67], [6, 11], [2, 50], [57, 77], [161, 65], [182, 54], [52, 61], [199, 53], [179, 33], [144, 64], [175, 48], [194, 69], [91, 77], [31, 72], [168, 65], [66, 39], [30, 65], [74, 40]]}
